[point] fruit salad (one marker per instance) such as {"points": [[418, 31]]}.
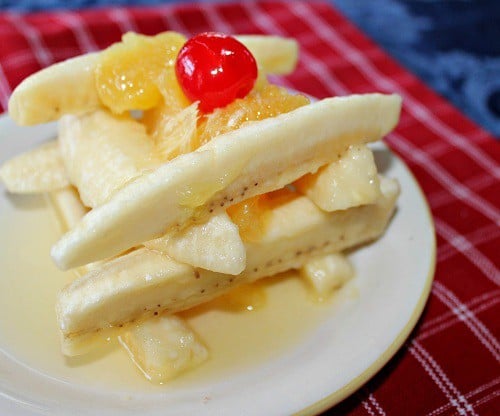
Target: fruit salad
{"points": [[180, 174]]}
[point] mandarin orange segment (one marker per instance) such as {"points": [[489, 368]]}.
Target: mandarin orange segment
{"points": [[174, 99], [264, 102], [249, 216], [129, 73]]}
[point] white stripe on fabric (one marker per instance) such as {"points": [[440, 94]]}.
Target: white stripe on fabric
{"points": [[376, 404], [122, 18], [469, 395], [487, 398], [364, 66], [479, 236], [215, 20], [78, 26], [441, 175], [172, 22], [470, 304], [477, 183], [465, 315], [315, 66], [454, 319], [464, 246], [368, 408], [5, 89], [34, 39], [436, 373]]}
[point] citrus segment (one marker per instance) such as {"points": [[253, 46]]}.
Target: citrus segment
{"points": [[249, 216], [265, 102], [127, 74]]}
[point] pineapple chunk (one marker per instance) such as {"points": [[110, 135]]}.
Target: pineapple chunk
{"points": [[102, 153], [163, 347], [173, 135], [212, 245], [38, 170], [328, 273], [348, 182]]}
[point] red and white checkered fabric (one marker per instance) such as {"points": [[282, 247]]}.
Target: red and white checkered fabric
{"points": [[450, 364]]}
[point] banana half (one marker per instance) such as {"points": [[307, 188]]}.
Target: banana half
{"points": [[69, 87], [145, 283], [257, 158]]}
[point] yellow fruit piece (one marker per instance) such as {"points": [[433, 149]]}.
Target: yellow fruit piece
{"points": [[36, 171], [163, 347], [248, 215], [172, 134], [174, 99], [171, 123], [128, 74], [264, 102], [326, 274], [251, 215]]}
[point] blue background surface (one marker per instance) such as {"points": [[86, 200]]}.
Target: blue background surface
{"points": [[452, 45]]}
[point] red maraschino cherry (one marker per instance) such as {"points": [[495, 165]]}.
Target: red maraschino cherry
{"points": [[215, 69]]}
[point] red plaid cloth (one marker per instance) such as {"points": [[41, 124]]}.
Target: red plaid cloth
{"points": [[450, 364]]}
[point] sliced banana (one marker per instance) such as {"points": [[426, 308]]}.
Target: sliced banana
{"points": [[163, 347], [259, 157], [102, 153], [328, 273], [175, 135], [213, 245], [274, 54], [69, 87], [348, 182], [38, 170], [143, 283], [67, 207]]}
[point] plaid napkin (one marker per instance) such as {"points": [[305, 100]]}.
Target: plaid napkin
{"points": [[450, 363]]}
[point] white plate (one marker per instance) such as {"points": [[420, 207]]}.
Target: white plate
{"points": [[339, 355]]}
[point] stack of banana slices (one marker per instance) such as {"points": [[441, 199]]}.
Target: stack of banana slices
{"points": [[149, 238]]}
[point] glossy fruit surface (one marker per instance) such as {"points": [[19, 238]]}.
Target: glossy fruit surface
{"points": [[130, 73], [215, 69], [263, 102]]}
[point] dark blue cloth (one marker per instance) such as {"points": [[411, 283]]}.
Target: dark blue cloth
{"points": [[452, 45]]}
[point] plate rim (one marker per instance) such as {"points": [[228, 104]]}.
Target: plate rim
{"points": [[355, 384], [348, 389]]}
